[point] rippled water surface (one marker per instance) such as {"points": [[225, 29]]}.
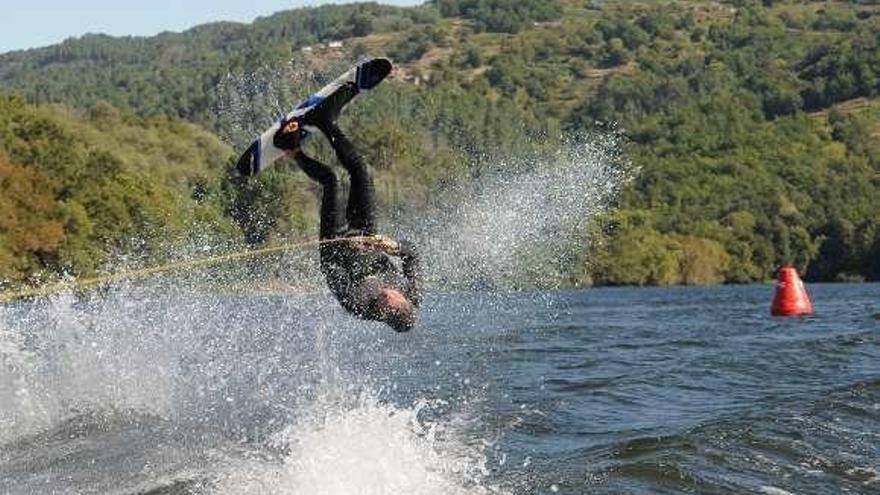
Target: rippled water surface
{"points": [[682, 390]]}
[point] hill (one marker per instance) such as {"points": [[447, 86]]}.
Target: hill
{"points": [[79, 188], [753, 123]]}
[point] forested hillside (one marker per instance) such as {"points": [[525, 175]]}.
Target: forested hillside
{"points": [[80, 188], [754, 126]]}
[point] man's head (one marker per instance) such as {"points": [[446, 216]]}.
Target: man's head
{"points": [[395, 309]]}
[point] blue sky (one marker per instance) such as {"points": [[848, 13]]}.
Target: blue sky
{"points": [[33, 23]]}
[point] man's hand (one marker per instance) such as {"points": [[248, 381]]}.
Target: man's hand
{"points": [[383, 243], [289, 137], [291, 126]]}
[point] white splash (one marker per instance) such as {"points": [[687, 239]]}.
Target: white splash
{"points": [[366, 447], [22, 408], [215, 369], [527, 221], [65, 358]]}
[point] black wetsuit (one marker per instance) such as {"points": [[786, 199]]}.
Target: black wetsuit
{"points": [[358, 268]]}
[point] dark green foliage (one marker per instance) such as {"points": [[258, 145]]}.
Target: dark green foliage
{"points": [[754, 125], [843, 70], [727, 156], [415, 44], [505, 16]]}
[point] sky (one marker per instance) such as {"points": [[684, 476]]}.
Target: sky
{"points": [[35, 23]]}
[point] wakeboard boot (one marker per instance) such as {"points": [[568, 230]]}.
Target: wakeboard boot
{"points": [[328, 110]]}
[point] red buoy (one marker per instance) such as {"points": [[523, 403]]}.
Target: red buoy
{"points": [[791, 297]]}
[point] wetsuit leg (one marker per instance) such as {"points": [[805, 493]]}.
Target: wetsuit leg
{"points": [[331, 223], [361, 210]]}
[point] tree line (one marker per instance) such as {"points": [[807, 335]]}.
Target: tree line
{"points": [[753, 125]]}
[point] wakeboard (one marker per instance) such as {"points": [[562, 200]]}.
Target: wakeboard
{"points": [[331, 98]]}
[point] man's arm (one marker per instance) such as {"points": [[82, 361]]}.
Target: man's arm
{"points": [[412, 269]]}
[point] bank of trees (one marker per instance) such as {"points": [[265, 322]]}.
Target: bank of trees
{"points": [[754, 124], [505, 16], [80, 188]]}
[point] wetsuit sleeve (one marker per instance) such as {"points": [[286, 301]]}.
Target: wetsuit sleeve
{"points": [[412, 269]]}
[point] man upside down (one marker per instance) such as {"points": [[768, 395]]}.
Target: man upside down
{"points": [[372, 276]]}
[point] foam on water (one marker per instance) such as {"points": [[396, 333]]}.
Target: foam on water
{"points": [[365, 446]]}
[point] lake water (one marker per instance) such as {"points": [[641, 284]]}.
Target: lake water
{"points": [[673, 390]]}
